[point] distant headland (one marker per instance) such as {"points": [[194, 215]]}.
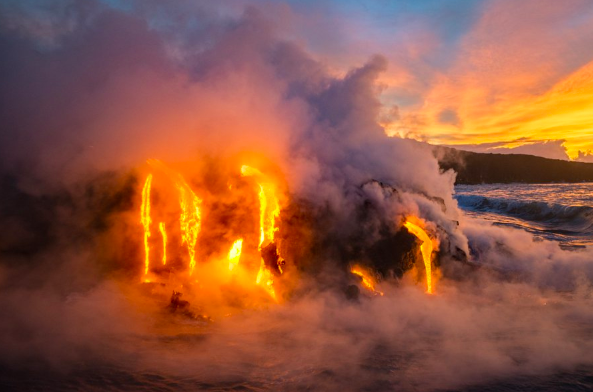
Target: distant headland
{"points": [[484, 168]]}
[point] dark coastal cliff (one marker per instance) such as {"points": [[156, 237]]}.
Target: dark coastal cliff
{"points": [[481, 168]]}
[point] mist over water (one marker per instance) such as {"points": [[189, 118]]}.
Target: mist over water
{"points": [[469, 334], [92, 90]]}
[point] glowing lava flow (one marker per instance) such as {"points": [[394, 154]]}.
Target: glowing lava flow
{"points": [[265, 275], [164, 235], [191, 216], [145, 219], [235, 254], [367, 281], [425, 249], [269, 207], [269, 211], [190, 220], [263, 204]]}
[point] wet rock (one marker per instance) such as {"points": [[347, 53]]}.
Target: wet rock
{"points": [[352, 292], [272, 259], [176, 303]]}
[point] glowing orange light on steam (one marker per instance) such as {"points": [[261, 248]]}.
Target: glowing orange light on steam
{"points": [[164, 235], [265, 276], [235, 254]]}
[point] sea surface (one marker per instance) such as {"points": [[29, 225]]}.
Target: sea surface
{"points": [[557, 212]]}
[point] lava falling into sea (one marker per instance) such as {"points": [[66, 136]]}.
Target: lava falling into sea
{"points": [[229, 245], [425, 249]]}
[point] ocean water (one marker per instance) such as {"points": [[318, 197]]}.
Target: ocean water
{"points": [[557, 212]]}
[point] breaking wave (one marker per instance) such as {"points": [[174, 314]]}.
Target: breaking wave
{"points": [[574, 216], [534, 208]]}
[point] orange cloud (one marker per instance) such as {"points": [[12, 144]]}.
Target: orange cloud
{"points": [[520, 74]]}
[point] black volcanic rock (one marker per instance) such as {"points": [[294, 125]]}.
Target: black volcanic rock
{"points": [[272, 259]]}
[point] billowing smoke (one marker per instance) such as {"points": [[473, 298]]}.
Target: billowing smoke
{"points": [[91, 91]]}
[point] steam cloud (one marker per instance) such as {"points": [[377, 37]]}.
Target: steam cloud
{"points": [[90, 91]]}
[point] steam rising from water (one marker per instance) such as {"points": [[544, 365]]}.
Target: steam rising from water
{"points": [[131, 88]]}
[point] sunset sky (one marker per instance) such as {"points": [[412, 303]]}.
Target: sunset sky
{"points": [[501, 73], [489, 75]]}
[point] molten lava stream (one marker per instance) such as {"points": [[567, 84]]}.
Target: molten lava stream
{"points": [[425, 249], [190, 220], [269, 211], [214, 276], [367, 281], [145, 220]]}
